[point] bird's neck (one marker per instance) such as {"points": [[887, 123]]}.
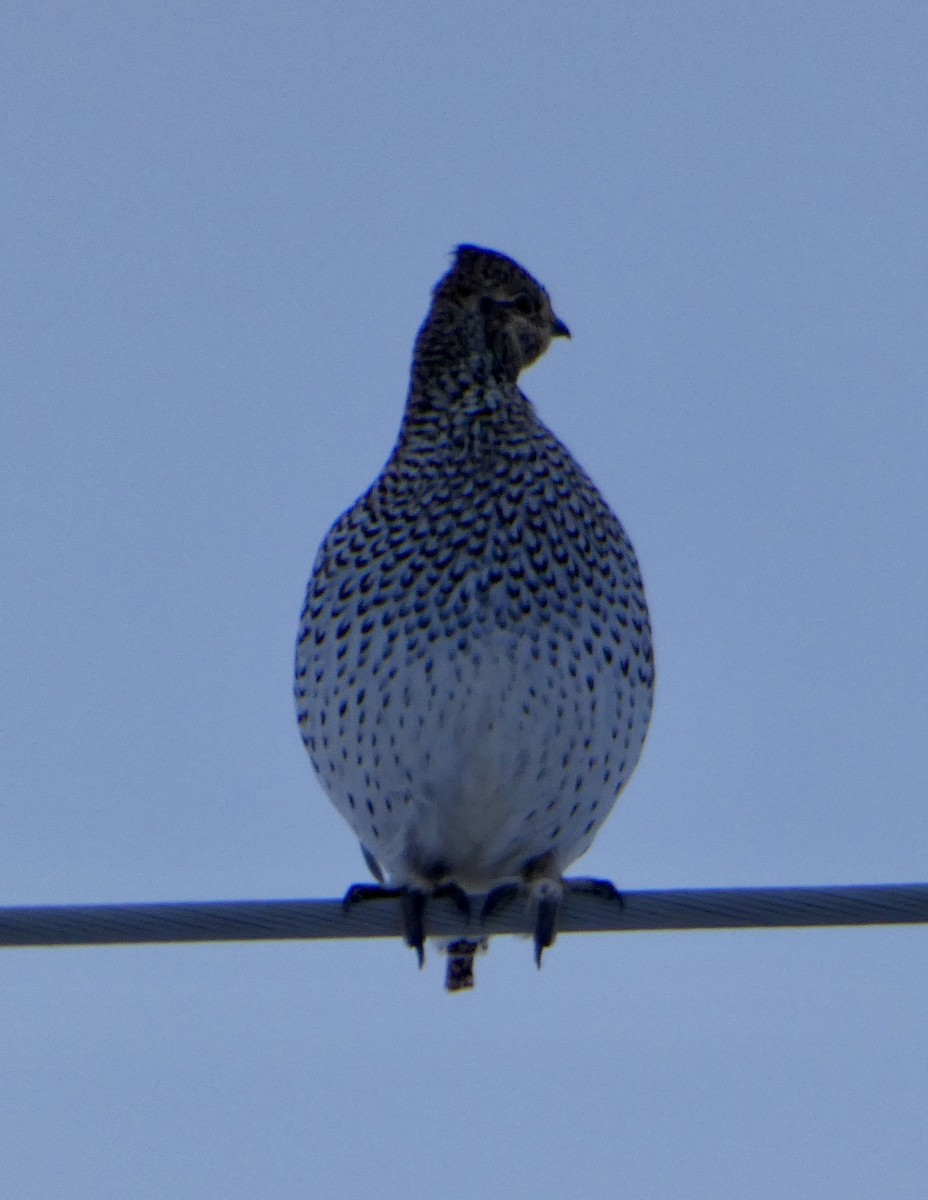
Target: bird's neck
{"points": [[459, 414]]}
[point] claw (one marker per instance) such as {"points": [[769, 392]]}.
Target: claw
{"points": [[502, 894], [359, 892], [595, 887], [548, 893], [413, 906], [455, 893]]}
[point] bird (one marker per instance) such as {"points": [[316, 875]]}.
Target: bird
{"points": [[474, 663]]}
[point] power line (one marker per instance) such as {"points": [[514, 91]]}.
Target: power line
{"points": [[258, 920]]}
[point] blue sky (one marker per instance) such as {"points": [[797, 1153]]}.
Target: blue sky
{"points": [[219, 228]]}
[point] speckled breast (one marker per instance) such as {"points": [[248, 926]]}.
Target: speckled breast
{"points": [[474, 668]]}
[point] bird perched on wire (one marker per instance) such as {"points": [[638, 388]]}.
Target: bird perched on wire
{"points": [[474, 669]]}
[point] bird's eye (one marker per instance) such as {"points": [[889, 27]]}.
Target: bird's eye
{"points": [[523, 303]]}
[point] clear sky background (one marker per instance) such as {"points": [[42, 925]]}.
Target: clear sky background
{"points": [[220, 225]]}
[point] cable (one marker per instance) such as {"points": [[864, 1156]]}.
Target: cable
{"points": [[251, 920]]}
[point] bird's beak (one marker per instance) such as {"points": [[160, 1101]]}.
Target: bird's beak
{"points": [[559, 329]]}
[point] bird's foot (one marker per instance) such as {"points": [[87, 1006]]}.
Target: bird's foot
{"points": [[547, 894], [547, 887], [456, 894], [603, 888], [503, 893], [359, 892], [412, 909], [541, 881]]}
